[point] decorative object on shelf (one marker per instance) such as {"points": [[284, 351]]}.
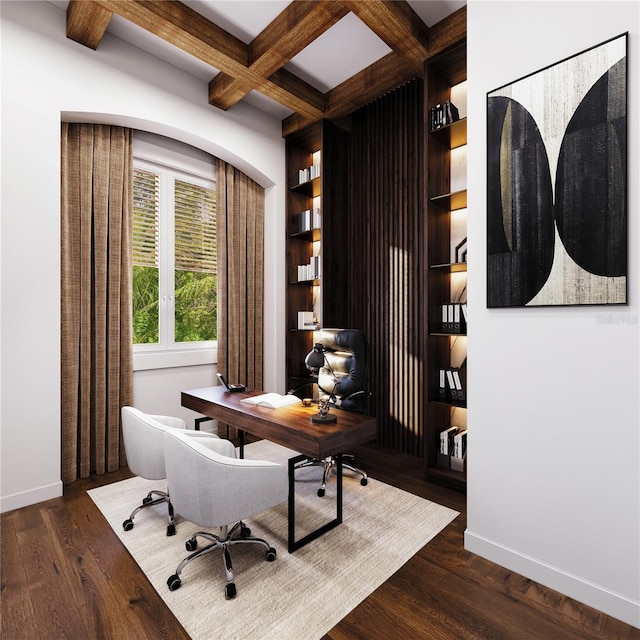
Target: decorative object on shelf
{"points": [[314, 361], [461, 251], [557, 183]]}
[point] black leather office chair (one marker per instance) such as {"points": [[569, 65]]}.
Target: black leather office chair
{"points": [[342, 382]]}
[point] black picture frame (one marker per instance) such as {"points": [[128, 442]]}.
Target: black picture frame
{"points": [[557, 183]]}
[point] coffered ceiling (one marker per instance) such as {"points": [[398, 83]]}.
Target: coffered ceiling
{"points": [[300, 60]]}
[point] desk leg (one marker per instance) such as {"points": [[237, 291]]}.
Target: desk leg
{"points": [[294, 544], [241, 442]]}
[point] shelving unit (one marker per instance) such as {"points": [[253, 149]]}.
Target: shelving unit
{"points": [[446, 276], [323, 146]]}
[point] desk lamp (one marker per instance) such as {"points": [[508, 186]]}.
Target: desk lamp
{"points": [[314, 361]]}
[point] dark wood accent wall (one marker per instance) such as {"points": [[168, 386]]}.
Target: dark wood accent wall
{"points": [[385, 288]]}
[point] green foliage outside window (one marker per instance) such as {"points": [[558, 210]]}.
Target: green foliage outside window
{"points": [[146, 329], [196, 306]]}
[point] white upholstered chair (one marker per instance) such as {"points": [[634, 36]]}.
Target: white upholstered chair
{"points": [[219, 491], [144, 445]]}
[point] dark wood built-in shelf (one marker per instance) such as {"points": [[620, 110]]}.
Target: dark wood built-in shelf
{"points": [[452, 201], [442, 73], [451, 267], [453, 135], [326, 144], [313, 235], [310, 188]]}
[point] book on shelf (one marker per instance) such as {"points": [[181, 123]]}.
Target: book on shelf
{"points": [[308, 173], [443, 392], [457, 392], [305, 319], [458, 459], [307, 220], [452, 384], [454, 318], [459, 449], [443, 114], [271, 400], [446, 440], [311, 271]]}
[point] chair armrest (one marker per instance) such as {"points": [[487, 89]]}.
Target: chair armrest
{"points": [[170, 421], [213, 443]]}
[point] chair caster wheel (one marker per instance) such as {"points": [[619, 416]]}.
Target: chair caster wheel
{"points": [[127, 525], [320, 493], [147, 500], [171, 529], [174, 582], [191, 545], [245, 532], [271, 554], [364, 482], [230, 591]]}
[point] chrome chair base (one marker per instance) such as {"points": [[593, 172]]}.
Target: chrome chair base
{"points": [[328, 464], [148, 501], [223, 542]]}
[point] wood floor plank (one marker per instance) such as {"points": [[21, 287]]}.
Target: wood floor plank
{"points": [[144, 610], [16, 608], [55, 613]]}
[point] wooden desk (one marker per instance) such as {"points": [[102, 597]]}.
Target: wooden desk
{"points": [[290, 427]]}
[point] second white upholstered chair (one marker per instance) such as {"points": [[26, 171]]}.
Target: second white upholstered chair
{"points": [[144, 445], [215, 490]]}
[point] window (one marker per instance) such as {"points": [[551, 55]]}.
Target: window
{"points": [[174, 259]]}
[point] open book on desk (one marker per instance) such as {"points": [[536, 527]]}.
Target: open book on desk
{"points": [[271, 400]]}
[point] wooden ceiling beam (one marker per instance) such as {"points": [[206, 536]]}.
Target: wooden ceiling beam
{"points": [[186, 29], [259, 65], [375, 80], [87, 22], [448, 32], [283, 87], [289, 33]]}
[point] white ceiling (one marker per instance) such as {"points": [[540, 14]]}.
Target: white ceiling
{"points": [[346, 48]]}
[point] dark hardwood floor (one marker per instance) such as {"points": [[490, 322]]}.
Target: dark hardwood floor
{"points": [[66, 575]]}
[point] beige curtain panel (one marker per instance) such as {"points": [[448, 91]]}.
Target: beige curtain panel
{"points": [[96, 333], [240, 229]]}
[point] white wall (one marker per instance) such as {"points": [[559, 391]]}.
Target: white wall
{"points": [[47, 78], [553, 482]]}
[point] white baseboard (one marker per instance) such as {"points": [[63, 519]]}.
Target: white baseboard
{"points": [[33, 496], [593, 595]]}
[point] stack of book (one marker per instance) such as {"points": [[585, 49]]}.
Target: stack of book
{"points": [[311, 271], [443, 114], [452, 385], [446, 446], [307, 220], [307, 321], [452, 452], [454, 317], [304, 175]]}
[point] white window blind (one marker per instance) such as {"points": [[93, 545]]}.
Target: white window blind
{"points": [[145, 218], [195, 228]]}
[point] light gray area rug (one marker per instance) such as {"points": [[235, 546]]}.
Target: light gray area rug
{"points": [[300, 595]]}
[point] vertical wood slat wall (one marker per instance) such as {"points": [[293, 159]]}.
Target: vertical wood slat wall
{"points": [[386, 259]]}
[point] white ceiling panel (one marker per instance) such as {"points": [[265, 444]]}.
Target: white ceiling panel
{"points": [[339, 53]]}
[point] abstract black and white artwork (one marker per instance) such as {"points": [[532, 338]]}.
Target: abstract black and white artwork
{"points": [[557, 183]]}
